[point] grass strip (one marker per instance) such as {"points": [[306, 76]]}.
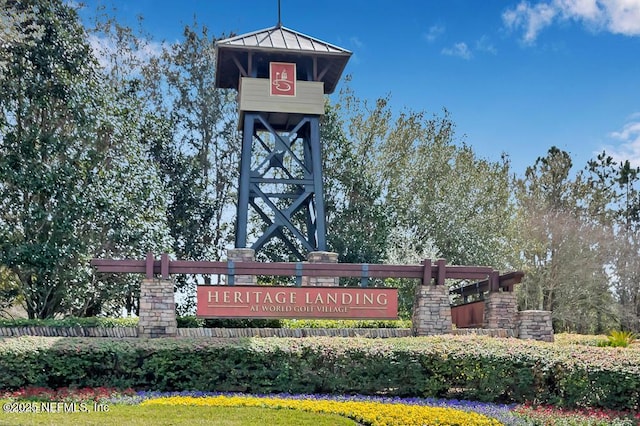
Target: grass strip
{"points": [[118, 415]]}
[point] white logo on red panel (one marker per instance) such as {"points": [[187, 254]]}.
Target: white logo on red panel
{"points": [[282, 76]]}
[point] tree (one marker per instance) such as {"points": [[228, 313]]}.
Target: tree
{"points": [[563, 249], [399, 188], [620, 212], [9, 289], [431, 190], [18, 27], [47, 99], [199, 156], [357, 221], [626, 279], [73, 183], [195, 143], [133, 200], [627, 265]]}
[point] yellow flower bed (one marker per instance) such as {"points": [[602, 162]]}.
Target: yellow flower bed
{"points": [[369, 413]]}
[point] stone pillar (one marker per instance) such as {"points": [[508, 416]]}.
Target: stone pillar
{"points": [[243, 255], [321, 257], [431, 311], [501, 310], [157, 309], [535, 325]]}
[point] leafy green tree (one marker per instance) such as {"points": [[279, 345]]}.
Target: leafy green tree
{"points": [[195, 143], [620, 212], [627, 179], [18, 27], [73, 183], [400, 188], [47, 96], [357, 219], [563, 248], [10, 292], [432, 191], [133, 200], [199, 148]]}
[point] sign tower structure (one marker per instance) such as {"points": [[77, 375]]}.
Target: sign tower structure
{"points": [[281, 77]]}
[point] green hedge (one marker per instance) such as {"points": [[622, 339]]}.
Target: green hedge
{"points": [[292, 323], [470, 367], [70, 322], [193, 322]]}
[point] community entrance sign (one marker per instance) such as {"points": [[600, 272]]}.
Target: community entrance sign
{"points": [[431, 310], [296, 302]]}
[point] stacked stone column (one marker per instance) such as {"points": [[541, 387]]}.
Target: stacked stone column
{"points": [[243, 255], [535, 325], [157, 309], [431, 311], [501, 310], [321, 257]]}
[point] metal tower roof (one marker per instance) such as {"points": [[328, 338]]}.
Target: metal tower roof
{"points": [[237, 54]]}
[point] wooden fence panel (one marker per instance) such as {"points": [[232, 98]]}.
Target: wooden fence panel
{"points": [[469, 315]]}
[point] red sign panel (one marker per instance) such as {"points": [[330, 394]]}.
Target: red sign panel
{"points": [[282, 76], [216, 301]]}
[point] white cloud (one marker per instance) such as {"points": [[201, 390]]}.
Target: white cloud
{"points": [[615, 16], [583, 9], [624, 16], [485, 45], [628, 142], [459, 49], [433, 33], [532, 19]]}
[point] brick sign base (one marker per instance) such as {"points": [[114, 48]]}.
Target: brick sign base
{"points": [[296, 302]]}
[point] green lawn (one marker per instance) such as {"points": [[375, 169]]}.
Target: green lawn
{"points": [[133, 415]]}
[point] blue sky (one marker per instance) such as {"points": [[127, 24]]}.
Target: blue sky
{"points": [[517, 77]]}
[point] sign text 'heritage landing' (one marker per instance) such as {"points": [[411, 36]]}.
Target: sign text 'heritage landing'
{"points": [[296, 302]]}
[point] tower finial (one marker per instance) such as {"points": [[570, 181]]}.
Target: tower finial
{"points": [[279, 20]]}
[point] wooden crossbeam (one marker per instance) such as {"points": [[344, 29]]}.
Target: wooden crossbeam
{"points": [[426, 272], [505, 282]]}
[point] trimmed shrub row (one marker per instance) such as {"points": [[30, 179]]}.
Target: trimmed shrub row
{"points": [[212, 332], [70, 322], [469, 367], [193, 322]]}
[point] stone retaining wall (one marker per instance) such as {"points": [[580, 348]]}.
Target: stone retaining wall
{"points": [[69, 331], [535, 325], [491, 332]]}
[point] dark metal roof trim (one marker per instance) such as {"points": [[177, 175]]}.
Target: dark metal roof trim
{"points": [[281, 38]]}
